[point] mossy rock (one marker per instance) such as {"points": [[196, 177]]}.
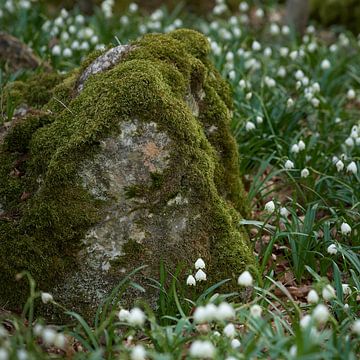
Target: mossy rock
{"points": [[131, 161], [341, 12]]}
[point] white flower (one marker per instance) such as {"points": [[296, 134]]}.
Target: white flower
{"points": [[349, 142], [46, 297], [49, 336], [202, 349], [136, 317], [244, 6], [315, 102], [295, 149], [200, 315], [211, 312], [328, 292], [190, 281], [321, 314], [267, 52], [256, 310], [332, 249], [133, 7], [4, 355], [248, 96], [229, 330], [235, 343], [60, 341], [281, 72], [259, 13], [199, 264], [325, 64], [305, 173], [289, 165], [200, 275], [352, 168], [138, 352], [270, 207], [301, 145], [56, 50], [249, 126], [356, 327], [345, 228], [351, 94], [274, 29], [124, 315], [339, 166], [270, 82], [38, 329], [245, 279], [305, 321], [22, 354], [225, 311], [67, 52], [346, 289], [293, 350], [312, 297], [284, 212], [256, 46], [259, 119], [285, 30]]}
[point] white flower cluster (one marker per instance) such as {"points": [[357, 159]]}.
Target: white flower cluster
{"points": [[134, 317], [211, 312], [200, 275], [49, 336]]}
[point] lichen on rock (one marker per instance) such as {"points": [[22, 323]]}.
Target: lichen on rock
{"points": [[129, 164]]}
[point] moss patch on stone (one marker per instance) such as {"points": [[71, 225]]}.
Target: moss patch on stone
{"points": [[41, 231]]}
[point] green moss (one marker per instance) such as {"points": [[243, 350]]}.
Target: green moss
{"points": [[150, 83], [36, 91]]}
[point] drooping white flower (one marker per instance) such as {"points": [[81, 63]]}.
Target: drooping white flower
{"points": [[270, 207], [46, 297], [345, 228], [352, 167], [190, 281], [332, 249], [346, 289], [290, 102], [138, 352], [305, 321], [328, 292], [245, 279], [199, 264], [229, 330], [202, 349], [38, 329], [325, 64], [284, 212], [295, 149], [259, 119], [124, 315], [256, 46], [289, 165], [243, 6], [285, 30], [249, 126], [301, 145], [305, 173], [351, 94], [293, 351], [248, 96], [255, 310], [211, 312], [200, 275], [235, 343], [48, 336], [312, 297], [60, 341], [200, 315], [356, 327], [339, 166], [56, 50], [136, 317], [22, 354], [225, 312], [321, 313], [274, 29], [349, 142]]}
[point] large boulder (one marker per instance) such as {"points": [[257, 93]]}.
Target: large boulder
{"points": [[131, 161]]}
